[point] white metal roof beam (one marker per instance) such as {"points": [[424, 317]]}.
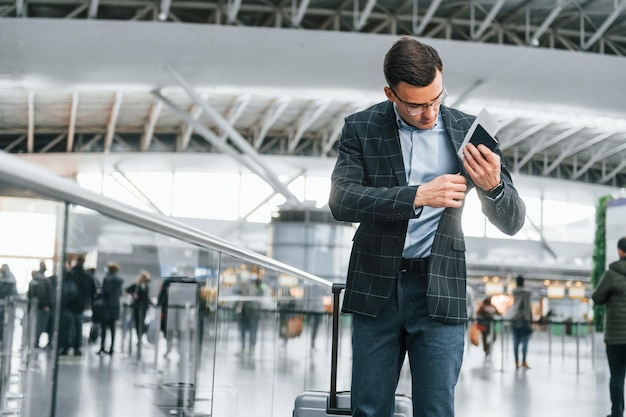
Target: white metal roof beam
{"points": [[77, 11], [186, 130], [566, 42], [545, 144], [30, 136], [269, 118], [360, 18], [338, 123], [164, 9], [233, 10], [428, 16], [71, 129], [467, 93], [269, 176], [93, 9], [512, 141], [575, 149], [560, 4], [389, 22], [235, 112], [298, 12], [141, 13], [125, 144], [251, 163], [309, 117], [605, 152], [233, 227], [134, 189], [542, 239], [15, 143], [619, 8], [614, 172], [488, 19], [90, 142], [182, 141], [334, 134], [6, 10], [155, 112], [52, 143], [115, 112]]}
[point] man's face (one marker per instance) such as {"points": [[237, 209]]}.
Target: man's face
{"points": [[422, 100]]}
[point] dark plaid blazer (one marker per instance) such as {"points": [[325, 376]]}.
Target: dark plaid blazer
{"points": [[369, 187]]}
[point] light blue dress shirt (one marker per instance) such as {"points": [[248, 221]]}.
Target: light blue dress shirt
{"points": [[427, 154]]}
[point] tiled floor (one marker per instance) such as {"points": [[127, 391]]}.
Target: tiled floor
{"points": [[557, 385]]}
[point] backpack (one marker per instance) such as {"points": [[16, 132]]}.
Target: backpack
{"points": [[39, 288], [70, 294]]}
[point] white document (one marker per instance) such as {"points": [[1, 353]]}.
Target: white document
{"points": [[487, 122]]}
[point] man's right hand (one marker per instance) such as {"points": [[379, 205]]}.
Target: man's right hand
{"points": [[444, 191]]}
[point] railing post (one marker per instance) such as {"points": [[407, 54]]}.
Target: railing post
{"points": [[577, 347], [549, 341]]}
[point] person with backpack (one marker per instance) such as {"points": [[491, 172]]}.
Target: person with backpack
{"points": [[77, 293]]}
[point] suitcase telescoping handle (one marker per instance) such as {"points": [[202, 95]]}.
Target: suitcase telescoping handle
{"points": [[332, 399]]}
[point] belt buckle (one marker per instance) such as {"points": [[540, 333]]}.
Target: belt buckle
{"points": [[403, 265], [417, 265]]}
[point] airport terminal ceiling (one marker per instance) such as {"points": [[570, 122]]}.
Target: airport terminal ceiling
{"points": [[251, 78]]}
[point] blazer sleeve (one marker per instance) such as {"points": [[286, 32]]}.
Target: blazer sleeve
{"points": [[507, 211], [358, 192]]}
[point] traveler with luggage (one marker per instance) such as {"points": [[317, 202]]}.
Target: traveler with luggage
{"points": [[402, 174]]}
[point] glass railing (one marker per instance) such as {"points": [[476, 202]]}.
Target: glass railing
{"points": [[239, 334], [232, 324]]}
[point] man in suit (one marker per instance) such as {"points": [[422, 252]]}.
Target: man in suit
{"points": [[399, 176]]}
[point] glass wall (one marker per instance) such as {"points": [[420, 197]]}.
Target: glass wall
{"points": [[184, 316]]}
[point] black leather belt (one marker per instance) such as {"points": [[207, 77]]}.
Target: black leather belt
{"points": [[415, 265]]}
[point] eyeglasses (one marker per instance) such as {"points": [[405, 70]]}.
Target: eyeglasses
{"points": [[414, 109]]}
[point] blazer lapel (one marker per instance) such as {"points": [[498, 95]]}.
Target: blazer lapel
{"points": [[391, 138], [455, 131]]}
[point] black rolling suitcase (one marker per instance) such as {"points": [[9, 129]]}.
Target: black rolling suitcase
{"points": [[332, 403]]}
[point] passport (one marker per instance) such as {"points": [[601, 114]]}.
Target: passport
{"points": [[482, 131], [480, 136]]}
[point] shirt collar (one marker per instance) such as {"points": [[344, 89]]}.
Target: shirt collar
{"points": [[404, 125]]}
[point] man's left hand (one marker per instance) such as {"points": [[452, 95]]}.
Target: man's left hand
{"points": [[482, 165]]}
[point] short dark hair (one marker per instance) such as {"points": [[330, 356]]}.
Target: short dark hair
{"points": [[411, 61], [519, 281], [113, 267], [621, 244]]}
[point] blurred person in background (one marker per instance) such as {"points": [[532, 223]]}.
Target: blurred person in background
{"points": [[111, 293], [484, 318], [77, 294], [521, 318], [611, 292], [140, 294], [8, 288], [39, 290]]}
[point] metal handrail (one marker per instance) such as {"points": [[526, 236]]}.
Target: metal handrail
{"points": [[25, 175]]}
